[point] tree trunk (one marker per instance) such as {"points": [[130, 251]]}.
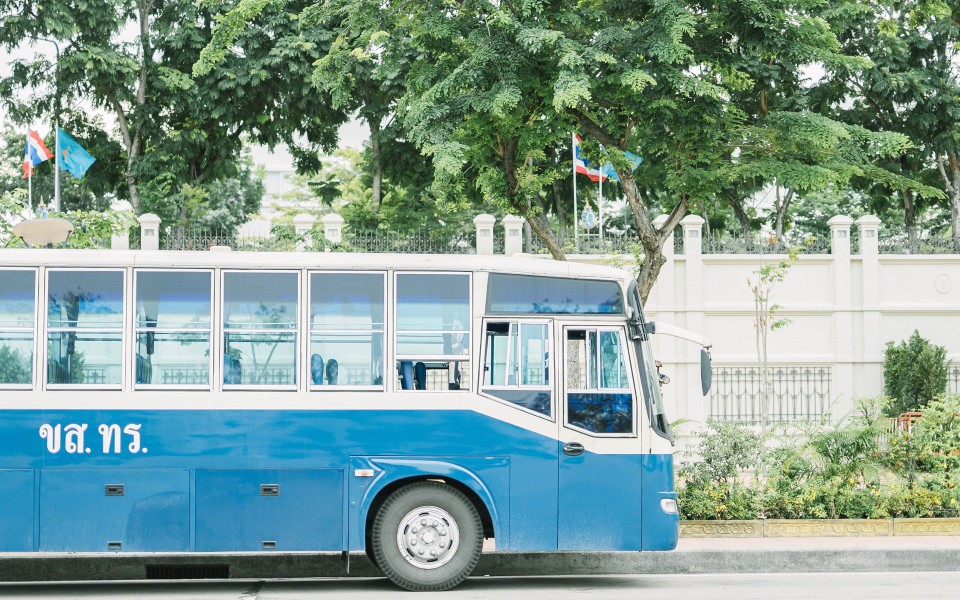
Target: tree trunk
{"points": [[508, 166], [951, 181], [375, 162], [558, 208], [133, 136], [910, 220], [651, 238], [782, 208], [741, 214]]}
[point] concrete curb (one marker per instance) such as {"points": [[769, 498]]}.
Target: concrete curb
{"points": [[90, 567]]}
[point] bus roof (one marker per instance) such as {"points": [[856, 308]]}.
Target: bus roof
{"points": [[31, 257]]}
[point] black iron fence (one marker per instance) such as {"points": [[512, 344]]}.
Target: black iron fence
{"points": [[728, 243], [413, 242], [899, 243], [797, 393]]}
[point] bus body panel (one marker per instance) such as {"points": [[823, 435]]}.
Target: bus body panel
{"points": [[84, 510], [219, 460], [661, 530], [487, 477], [587, 507], [268, 509], [17, 508]]}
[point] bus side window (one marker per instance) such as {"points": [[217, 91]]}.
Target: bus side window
{"points": [[173, 328], [516, 364], [432, 331], [599, 397], [17, 322], [346, 330]]}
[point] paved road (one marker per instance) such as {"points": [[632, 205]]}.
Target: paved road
{"points": [[845, 586]]}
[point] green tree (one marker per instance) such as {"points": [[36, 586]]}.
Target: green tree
{"points": [[914, 373], [912, 89], [175, 130], [766, 321], [15, 366]]}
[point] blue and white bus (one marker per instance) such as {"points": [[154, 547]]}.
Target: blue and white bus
{"points": [[406, 406]]}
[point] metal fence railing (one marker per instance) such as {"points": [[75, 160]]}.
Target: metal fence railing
{"points": [[899, 243], [798, 393], [728, 243], [413, 242]]}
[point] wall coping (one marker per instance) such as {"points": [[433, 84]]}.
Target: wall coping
{"points": [[820, 527]]}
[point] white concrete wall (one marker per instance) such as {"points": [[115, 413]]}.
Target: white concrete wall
{"points": [[844, 308]]}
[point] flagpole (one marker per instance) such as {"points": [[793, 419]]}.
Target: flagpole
{"points": [[600, 206], [56, 123], [576, 214], [56, 164]]}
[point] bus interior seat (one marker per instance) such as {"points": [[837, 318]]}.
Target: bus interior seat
{"points": [[406, 374], [316, 369], [232, 370], [333, 371], [55, 371], [413, 376], [144, 369], [420, 375]]}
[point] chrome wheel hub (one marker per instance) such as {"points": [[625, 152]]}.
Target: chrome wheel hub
{"points": [[428, 537]]}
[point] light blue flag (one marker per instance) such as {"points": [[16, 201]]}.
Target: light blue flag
{"points": [[73, 157], [634, 160]]}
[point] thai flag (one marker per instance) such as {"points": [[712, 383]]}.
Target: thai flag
{"points": [[35, 153], [582, 165]]}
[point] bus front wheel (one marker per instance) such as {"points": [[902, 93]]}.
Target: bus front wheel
{"points": [[427, 537]]}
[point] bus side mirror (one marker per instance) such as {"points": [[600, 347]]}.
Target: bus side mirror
{"points": [[706, 372]]}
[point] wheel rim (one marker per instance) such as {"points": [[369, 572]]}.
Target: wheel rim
{"points": [[428, 537]]}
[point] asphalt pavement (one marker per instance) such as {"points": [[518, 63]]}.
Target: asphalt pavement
{"points": [[693, 555]]}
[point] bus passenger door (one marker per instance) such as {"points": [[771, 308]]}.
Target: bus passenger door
{"points": [[598, 444]]}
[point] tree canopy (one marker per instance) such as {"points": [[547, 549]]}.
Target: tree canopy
{"points": [[471, 105]]}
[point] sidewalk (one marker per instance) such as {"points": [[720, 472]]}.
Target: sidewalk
{"points": [[936, 542]]}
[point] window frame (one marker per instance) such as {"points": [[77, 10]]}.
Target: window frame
{"points": [[396, 333], [310, 331], [34, 330], [222, 330], [482, 364], [631, 379], [47, 330], [136, 330]]}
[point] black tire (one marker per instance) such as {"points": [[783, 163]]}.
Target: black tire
{"points": [[440, 532], [371, 555]]}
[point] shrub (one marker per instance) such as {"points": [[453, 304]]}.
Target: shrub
{"points": [[712, 486], [914, 373]]}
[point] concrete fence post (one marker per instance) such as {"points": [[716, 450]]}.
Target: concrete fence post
{"points": [[332, 228], [512, 235], [302, 224], [869, 230], [840, 235], [484, 224], [149, 231], [120, 241], [668, 246], [871, 294], [692, 235]]}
